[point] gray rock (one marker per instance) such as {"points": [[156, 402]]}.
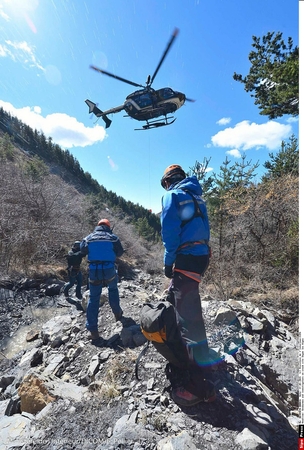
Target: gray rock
{"points": [[14, 431], [53, 363], [225, 316], [94, 365], [6, 380], [57, 326], [65, 390], [252, 439], [181, 441], [257, 384]]}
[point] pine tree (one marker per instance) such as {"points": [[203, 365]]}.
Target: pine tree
{"points": [[285, 162]]}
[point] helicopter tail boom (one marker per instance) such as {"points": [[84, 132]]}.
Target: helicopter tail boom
{"points": [[98, 113]]}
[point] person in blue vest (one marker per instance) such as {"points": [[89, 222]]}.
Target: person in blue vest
{"points": [[101, 247], [185, 234], [74, 258]]}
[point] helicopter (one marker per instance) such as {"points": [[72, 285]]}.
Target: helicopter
{"points": [[145, 104]]}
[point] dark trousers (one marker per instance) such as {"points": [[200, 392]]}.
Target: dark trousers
{"points": [[184, 295], [74, 278]]}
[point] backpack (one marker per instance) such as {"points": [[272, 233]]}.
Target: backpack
{"points": [[74, 259], [159, 326]]}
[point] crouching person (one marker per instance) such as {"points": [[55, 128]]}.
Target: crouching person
{"points": [[101, 247]]}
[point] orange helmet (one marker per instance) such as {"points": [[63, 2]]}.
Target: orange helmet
{"points": [[104, 222], [173, 171]]}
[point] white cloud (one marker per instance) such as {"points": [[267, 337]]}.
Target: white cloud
{"points": [[65, 130], [235, 152], [20, 51], [246, 135], [5, 52], [3, 14], [224, 121], [292, 119]]}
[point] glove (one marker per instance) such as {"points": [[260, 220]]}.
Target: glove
{"points": [[168, 270]]}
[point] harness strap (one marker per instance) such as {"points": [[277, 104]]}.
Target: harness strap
{"points": [[104, 281], [197, 209], [98, 263], [193, 275], [192, 243], [139, 357]]}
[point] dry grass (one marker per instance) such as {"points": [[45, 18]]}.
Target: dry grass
{"points": [[110, 385]]}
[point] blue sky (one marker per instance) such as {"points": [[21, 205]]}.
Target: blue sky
{"points": [[47, 46]]}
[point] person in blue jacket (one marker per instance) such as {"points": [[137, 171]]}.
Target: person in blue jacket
{"points": [[101, 247], [185, 235]]}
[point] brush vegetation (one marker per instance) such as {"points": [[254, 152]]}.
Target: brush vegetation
{"points": [[48, 202]]}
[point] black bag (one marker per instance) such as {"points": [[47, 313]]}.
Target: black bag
{"points": [[159, 325]]}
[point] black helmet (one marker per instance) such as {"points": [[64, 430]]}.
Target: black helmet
{"points": [[76, 245]]}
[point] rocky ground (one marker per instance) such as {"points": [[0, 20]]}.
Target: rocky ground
{"points": [[61, 392]]}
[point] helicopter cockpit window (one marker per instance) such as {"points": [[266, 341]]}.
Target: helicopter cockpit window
{"points": [[166, 93], [143, 100]]}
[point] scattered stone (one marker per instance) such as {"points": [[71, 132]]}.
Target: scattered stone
{"points": [[34, 395], [6, 380], [94, 365], [253, 364], [182, 441], [253, 439], [225, 316], [32, 335], [15, 431]]}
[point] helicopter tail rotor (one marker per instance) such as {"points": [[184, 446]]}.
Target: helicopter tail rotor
{"points": [[98, 113]]}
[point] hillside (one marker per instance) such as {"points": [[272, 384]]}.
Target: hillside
{"points": [[254, 228], [62, 163]]}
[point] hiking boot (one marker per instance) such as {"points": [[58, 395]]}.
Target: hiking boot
{"points": [[94, 335], [118, 316], [99, 342], [183, 397]]}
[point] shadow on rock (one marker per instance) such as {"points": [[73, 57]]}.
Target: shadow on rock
{"points": [[237, 405], [75, 303], [127, 322]]}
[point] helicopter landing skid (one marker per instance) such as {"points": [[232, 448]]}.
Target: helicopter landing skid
{"points": [[157, 123]]}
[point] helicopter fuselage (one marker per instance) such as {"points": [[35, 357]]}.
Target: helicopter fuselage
{"points": [[149, 103]]}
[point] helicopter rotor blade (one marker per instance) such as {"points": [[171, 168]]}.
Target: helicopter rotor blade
{"points": [[175, 33], [117, 77]]}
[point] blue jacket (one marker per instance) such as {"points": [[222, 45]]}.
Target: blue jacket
{"points": [[102, 247], [180, 234]]}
